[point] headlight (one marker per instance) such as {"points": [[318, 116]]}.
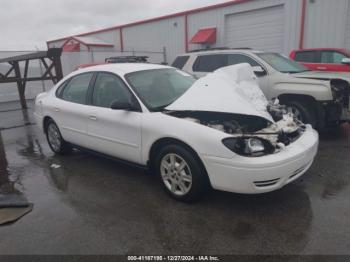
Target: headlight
{"points": [[248, 146]]}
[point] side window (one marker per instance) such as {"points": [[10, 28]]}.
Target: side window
{"points": [[234, 59], [180, 61], [209, 63], [338, 57], [60, 88], [331, 57], [109, 88], [75, 91], [307, 56]]}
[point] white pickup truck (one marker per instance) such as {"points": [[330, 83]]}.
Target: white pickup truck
{"points": [[317, 98]]}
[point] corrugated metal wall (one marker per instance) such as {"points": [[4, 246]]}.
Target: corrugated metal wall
{"points": [[168, 33], [261, 29], [326, 23], [216, 17], [347, 34]]}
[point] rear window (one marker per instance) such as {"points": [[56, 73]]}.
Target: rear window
{"points": [[308, 57], [180, 61], [209, 63]]}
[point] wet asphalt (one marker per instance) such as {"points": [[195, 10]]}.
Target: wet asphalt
{"points": [[85, 204]]}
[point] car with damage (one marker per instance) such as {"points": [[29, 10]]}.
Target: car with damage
{"points": [[216, 132], [318, 98], [323, 59]]}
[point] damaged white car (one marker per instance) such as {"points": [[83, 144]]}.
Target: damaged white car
{"points": [[217, 131]]}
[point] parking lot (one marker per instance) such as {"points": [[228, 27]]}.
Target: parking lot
{"points": [[85, 204]]}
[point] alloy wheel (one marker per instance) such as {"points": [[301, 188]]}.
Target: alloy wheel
{"points": [[54, 137], [176, 174]]}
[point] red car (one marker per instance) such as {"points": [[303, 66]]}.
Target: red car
{"points": [[323, 59]]}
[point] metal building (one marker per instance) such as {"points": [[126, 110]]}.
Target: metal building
{"points": [[271, 25]]}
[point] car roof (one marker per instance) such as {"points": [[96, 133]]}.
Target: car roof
{"points": [[320, 49], [223, 51], [123, 68]]}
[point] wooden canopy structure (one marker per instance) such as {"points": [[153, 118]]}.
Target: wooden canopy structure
{"points": [[51, 60]]}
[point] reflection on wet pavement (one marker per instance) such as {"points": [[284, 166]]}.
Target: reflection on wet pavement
{"points": [[91, 205]]}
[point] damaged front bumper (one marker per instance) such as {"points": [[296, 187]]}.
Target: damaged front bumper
{"points": [[263, 174], [338, 110], [335, 112]]}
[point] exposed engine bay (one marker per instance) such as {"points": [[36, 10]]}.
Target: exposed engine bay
{"points": [[274, 135]]}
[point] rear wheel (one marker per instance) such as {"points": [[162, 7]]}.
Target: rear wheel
{"points": [[302, 111], [55, 140], [180, 173]]}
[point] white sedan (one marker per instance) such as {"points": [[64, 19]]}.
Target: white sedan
{"points": [[218, 131]]}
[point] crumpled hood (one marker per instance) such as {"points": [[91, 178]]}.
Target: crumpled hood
{"points": [[232, 89], [321, 75]]}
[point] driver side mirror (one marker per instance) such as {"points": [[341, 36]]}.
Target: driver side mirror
{"points": [[345, 61], [124, 105], [259, 71]]}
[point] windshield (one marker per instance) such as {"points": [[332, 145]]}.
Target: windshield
{"points": [[282, 63], [160, 87]]}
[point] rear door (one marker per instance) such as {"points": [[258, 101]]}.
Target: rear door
{"points": [[70, 109], [113, 132]]}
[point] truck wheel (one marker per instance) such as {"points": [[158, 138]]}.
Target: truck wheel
{"points": [[303, 112]]}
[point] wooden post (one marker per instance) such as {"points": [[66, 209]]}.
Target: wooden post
{"points": [[20, 86], [58, 68]]}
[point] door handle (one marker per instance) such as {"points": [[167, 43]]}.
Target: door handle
{"points": [[94, 118], [56, 109], [321, 68]]}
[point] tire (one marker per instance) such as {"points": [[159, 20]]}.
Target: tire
{"points": [[55, 140], [303, 112], [187, 184]]}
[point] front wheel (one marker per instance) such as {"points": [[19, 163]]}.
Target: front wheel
{"points": [[55, 140], [180, 173]]}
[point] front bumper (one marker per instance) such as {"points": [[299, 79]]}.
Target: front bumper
{"points": [[335, 112], [253, 175]]}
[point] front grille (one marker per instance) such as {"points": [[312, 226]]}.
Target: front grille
{"points": [[266, 183]]}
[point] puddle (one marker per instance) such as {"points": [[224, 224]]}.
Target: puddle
{"points": [[13, 205]]}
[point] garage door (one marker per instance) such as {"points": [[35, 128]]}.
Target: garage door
{"points": [[259, 29], [347, 33]]}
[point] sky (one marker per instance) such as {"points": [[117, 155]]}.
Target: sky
{"points": [[28, 24]]}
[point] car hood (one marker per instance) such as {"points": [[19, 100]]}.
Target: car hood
{"points": [[321, 75], [232, 89]]}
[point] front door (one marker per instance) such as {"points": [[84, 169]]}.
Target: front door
{"points": [[113, 132]]}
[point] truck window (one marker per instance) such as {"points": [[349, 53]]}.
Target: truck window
{"points": [[307, 57], [180, 61], [331, 57], [209, 63], [234, 59]]}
